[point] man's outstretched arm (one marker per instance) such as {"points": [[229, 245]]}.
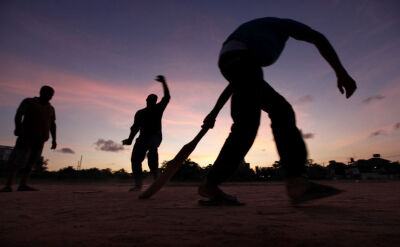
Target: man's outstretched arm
{"points": [[209, 121], [134, 130], [167, 96], [345, 82]]}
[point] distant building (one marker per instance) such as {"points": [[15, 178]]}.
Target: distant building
{"points": [[377, 168], [336, 169], [5, 152], [352, 171]]}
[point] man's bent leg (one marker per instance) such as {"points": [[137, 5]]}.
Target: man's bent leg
{"points": [[245, 113], [152, 155], [243, 76], [138, 155], [12, 170], [18, 159], [243, 132], [36, 148], [233, 151], [291, 149], [288, 139]]}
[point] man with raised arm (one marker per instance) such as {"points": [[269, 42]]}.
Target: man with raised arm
{"points": [[34, 119], [253, 45], [148, 122]]}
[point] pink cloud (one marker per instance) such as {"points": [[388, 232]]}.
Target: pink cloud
{"points": [[77, 92], [116, 102]]}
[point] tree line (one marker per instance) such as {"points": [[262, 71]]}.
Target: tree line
{"points": [[192, 171]]}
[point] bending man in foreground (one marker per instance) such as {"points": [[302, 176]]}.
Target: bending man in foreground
{"points": [[148, 122], [253, 45], [34, 119]]}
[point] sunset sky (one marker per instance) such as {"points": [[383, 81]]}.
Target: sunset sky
{"points": [[102, 57]]}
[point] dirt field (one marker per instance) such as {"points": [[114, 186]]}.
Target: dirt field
{"points": [[367, 214]]}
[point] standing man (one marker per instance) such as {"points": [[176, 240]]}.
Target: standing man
{"points": [[253, 45], [34, 119], [148, 122]]}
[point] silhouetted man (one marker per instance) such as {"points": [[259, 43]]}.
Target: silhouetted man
{"points": [[148, 122], [34, 119], [253, 45]]}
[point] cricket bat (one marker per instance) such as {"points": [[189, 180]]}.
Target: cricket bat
{"points": [[173, 166]]}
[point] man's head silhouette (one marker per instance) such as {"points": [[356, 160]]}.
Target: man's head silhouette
{"points": [[151, 100], [46, 93]]}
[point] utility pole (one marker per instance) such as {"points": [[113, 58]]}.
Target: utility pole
{"points": [[80, 163]]}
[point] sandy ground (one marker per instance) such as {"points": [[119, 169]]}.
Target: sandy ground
{"points": [[367, 214]]}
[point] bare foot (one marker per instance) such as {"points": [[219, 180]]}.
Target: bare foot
{"points": [[300, 190]]}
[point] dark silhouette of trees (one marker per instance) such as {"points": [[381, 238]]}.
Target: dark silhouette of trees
{"points": [[316, 171], [269, 173], [337, 168], [41, 166], [243, 173], [67, 172], [91, 174], [122, 174], [189, 171], [375, 167]]}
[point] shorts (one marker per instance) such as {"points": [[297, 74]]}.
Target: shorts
{"points": [[27, 152]]}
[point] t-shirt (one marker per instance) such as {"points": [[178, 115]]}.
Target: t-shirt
{"points": [[149, 118], [37, 118], [266, 37]]}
